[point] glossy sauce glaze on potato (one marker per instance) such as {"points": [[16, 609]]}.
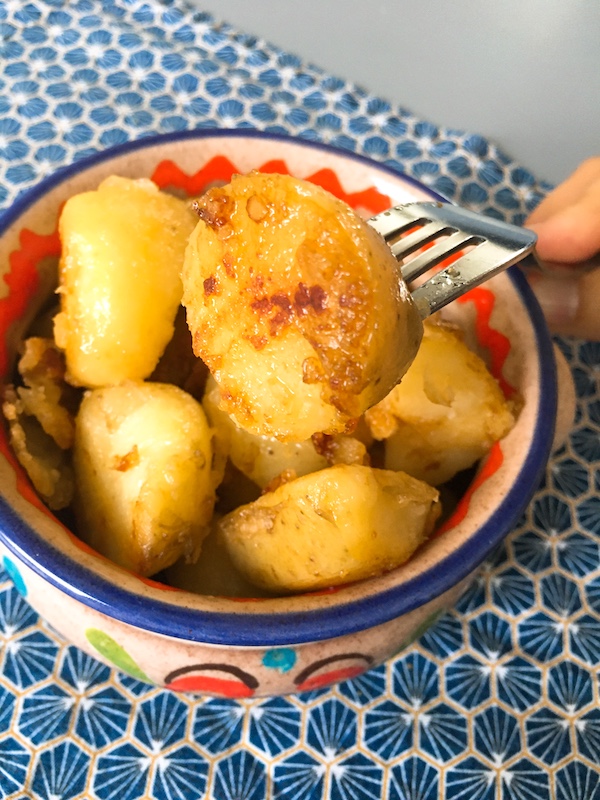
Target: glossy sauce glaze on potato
{"points": [[296, 305]]}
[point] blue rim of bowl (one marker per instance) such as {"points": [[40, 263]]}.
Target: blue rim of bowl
{"points": [[287, 627]]}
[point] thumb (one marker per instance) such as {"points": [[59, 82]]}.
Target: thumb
{"points": [[572, 235], [570, 304]]}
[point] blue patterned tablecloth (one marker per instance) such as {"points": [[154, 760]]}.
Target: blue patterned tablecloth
{"points": [[501, 698]]}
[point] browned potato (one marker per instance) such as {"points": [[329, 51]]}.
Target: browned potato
{"points": [[41, 420], [296, 306], [120, 285], [298, 309], [445, 414], [341, 524], [47, 464], [264, 459], [46, 395], [260, 458], [145, 484]]}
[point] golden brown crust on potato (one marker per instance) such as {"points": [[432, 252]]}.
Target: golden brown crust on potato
{"points": [[340, 449], [46, 395], [296, 306], [47, 464]]}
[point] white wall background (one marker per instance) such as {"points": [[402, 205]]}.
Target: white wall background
{"points": [[525, 73]]}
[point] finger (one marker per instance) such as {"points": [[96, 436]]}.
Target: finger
{"points": [[572, 235], [567, 221], [570, 306], [568, 192]]}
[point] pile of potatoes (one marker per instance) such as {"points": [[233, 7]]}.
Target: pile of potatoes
{"points": [[239, 427]]}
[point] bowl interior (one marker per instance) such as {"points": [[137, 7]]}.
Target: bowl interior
{"points": [[502, 319]]}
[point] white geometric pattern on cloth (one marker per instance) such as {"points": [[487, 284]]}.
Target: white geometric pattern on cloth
{"points": [[500, 698]]}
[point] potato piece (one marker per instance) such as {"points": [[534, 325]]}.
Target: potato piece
{"points": [[46, 395], [47, 464], [296, 306], [41, 420], [120, 285], [445, 414], [341, 524], [264, 459], [260, 458], [143, 470], [341, 449], [213, 573]]}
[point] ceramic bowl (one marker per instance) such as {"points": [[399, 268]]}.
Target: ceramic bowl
{"points": [[244, 648]]}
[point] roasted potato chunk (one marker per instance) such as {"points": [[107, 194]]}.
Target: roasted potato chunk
{"points": [[341, 524], [145, 488], [46, 395], [296, 306], [445, 414], [46, 463], [260, 458], [120, 287], [264, 459], [41, 420]]}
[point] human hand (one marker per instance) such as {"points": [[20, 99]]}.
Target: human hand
{"points": [[567, 223]]}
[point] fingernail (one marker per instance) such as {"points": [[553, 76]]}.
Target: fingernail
{"points": [[558, 297]]}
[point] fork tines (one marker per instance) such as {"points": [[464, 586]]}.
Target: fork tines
{"points": [[429, 233], [406, 230]]}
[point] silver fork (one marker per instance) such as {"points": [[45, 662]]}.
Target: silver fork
{"points": [[490, 246]]}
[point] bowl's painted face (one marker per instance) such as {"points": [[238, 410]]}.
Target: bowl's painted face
{"points": [[503, 324]]}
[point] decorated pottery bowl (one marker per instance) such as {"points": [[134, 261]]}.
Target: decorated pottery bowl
{"points": [[253, 647]]}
